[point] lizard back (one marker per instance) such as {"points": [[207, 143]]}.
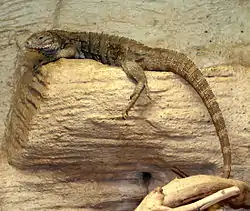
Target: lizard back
{"points": [[105, 48]]}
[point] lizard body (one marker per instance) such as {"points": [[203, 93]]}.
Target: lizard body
{"points": [[134, 58]]}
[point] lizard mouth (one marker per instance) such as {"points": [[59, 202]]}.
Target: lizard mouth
{"points": [[29, 45], [46, 48], [32, 48]]}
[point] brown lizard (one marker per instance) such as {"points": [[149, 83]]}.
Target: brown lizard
{"points": [[134, 58]]}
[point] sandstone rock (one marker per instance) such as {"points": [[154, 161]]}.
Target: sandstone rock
{"points": [[66, 126]]}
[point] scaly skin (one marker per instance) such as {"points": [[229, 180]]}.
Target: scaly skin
{"points": [[134, 58]]}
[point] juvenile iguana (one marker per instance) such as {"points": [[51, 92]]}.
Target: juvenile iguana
{"points": [[134, 58]]}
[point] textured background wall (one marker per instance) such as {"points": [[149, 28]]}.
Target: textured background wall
{"points": [[209, 32]]}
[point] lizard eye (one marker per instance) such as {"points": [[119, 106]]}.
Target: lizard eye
{"points": [[40, 38]]}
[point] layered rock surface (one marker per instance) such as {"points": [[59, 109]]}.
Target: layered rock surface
{"points": [[66, 122]]}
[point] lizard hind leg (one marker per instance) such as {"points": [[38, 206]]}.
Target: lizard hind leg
{"points": [[136, 73]]}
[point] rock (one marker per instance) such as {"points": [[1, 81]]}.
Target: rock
{"points": [[66, 126]]}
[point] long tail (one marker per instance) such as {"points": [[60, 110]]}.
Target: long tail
{"points": [[163, 59]]}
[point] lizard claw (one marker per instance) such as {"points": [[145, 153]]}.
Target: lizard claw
{"points": [[36, 68], [131, 96], [125, 114], [148, 95]]}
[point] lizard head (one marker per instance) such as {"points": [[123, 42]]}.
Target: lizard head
{"points": [[43, 41]]}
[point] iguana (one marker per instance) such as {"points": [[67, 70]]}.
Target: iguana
{"points": [[133, 57]]}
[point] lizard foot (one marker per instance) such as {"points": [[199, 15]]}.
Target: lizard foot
{"points": [[125, 115]]}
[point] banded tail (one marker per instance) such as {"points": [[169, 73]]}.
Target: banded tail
{"points": [[181, 65]]}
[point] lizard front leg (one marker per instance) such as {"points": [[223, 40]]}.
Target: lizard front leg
{"points": [[68, 51], [135, 72]]}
